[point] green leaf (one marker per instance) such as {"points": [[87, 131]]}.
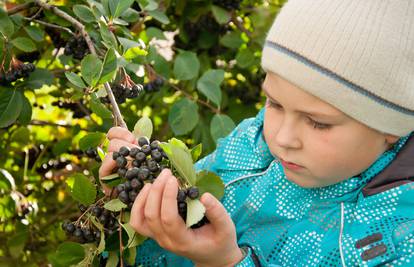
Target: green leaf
{"points": [[38, 78], [220, 14], [221, 125], [69, 253], [186, 66], [183, 116], [62, 146], [196, 152], [24, 44], [108, 37], [143, 127], [232, 40], [84, 13], [117, 7], [134, 239], [113, 259], [160, 16], [127, 43], [210, 182], [26, 113], [245, 58], [83, 189], [6, 25], [91, 140], [99, 109], [209, 85], [181, 160], [75, 79], [35, 33], [195, 212], [112, 180], [17, 242], [148, 5], [115, 205], [109, 66], [134, 52], [10, 106], [153, 32], [91, 68]]}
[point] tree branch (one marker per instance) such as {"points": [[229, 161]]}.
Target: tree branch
{"points": [[50, 25], [115, 109], [19, 8]]}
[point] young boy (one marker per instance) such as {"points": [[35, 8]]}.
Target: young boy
{"points": [[322, 175]]}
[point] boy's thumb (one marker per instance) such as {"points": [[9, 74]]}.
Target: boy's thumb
{"points": [[215, 211]]}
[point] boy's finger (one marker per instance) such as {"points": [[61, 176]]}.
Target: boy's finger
{"points": [[107, 166], [121, 133], [137, 219], [172, 223], [216, 213]]}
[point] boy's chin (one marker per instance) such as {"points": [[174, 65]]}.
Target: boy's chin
{"points": [[305, 181]]}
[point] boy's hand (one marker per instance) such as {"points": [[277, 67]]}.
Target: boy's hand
{"points": [[155, 214], [118, 137]]}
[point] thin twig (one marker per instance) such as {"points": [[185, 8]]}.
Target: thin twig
{"points": [[50, 25], [47, 123], [81, 28], [53, 58], [19, 8]]}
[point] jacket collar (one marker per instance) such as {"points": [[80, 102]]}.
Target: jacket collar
{"points": [[400, 171]]}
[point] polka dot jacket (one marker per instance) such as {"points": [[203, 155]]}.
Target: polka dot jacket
{"points": [[367, 220]]}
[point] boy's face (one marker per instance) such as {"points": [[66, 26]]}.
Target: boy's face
{"points": [[329, 147]]}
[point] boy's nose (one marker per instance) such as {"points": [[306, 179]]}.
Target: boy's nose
{"points": [[287, 135]]}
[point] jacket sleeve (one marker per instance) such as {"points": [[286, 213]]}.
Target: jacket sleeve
{"points": [[404, 247]]}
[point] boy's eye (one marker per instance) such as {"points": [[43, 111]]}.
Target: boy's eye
{"points": [[318, 125], [273, 104]]}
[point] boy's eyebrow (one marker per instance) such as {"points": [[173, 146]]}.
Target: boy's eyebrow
{"points": [[310, 113]]}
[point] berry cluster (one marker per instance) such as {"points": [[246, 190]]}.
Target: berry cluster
{"points": [[228, 4], [154, 85], [56, 37], [126, 88], [77, 47], [84, 231], [78, 108], [16, 71], [145, 164], [92, 153], [29, 56]]}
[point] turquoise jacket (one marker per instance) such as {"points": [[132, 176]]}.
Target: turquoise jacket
{"points": [[367, 220]]}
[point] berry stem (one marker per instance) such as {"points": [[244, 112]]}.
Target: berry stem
{"points": [[78, 25]]}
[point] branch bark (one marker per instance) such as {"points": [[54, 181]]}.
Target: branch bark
{"points": [[81, 28]]}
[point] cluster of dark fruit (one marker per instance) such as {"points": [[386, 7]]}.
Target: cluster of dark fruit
{"points": [[56, 37], [29, 56], [146, 163], [154, 85], [126, 88], [228, 4], [92, 153], [86, 232], [16, 71], [79, 109], [77, 47], [53, 164]]}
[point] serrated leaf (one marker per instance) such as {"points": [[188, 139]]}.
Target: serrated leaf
{"points": [[183, 116], [90, 69], [117, 7], [148, 5], [232, 40], [210, 182], [109, 67], [35, 33], [160, 16], [113, 259], [83, 189], [221, 125], [143, 127], [178, 143], [26, 113], [134, 239], [115, 205], [181, 161], [209, 85], [38, 78], [153, 32], [195, 212], [10, 106], [24, 44], [69, 253], [75, 79], [108, 37], [221, 15], [196, 152], [100, 109], [186, 66], [84, 13], [6, 25], [91, 140], [245, 58]]}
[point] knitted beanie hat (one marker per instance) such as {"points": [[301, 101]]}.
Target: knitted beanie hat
{"points": [[355, 55]]}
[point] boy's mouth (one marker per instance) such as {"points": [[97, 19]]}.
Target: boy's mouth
{"points": [[290, 165]]}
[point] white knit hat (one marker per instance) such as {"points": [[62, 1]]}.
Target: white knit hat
{"points": [[356, 55]]}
